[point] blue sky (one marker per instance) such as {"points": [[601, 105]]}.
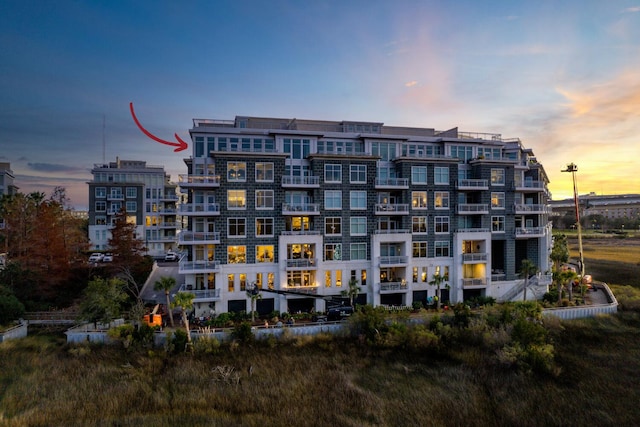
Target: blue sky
{"points": [[560, 75]]}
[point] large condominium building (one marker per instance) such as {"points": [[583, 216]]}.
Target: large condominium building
{"points": [[6, 180], [306, 206], [146, 193]]}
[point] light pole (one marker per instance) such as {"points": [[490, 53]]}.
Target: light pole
{"points": [[573, 168]]}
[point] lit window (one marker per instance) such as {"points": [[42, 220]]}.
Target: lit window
{"points": [[497, 200], [264, 253], [333, 251], [236, 199], [333, 225], [419, 249], [237, 254], [264, 172], [497, 176], [441, 199], [237, 171], [419, 199], [497, 223]]}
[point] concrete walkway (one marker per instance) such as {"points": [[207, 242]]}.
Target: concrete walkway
{"points": [[161, 269]]}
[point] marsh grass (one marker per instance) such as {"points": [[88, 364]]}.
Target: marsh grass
{"points": [[328, 381]]}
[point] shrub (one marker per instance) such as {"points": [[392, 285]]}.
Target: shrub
{"points": [[207, 345], [369, 322], [10, 307], [179, 341], [242, 332], [417, 305]]}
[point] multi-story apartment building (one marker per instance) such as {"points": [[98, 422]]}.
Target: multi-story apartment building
{"points": [[146, 193], [6, 180], [305, 206]]}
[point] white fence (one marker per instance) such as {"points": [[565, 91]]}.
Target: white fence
{"points": [[580, 312], [19, 331]]}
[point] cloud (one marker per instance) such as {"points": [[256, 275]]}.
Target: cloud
{"points": [[52, 168], [633, 9], [411, 83]]}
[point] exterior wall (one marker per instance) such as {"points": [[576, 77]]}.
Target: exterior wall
{"points": [[503, 181]]}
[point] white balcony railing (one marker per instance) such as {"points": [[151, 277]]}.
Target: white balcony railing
{"points": [[475, 257], [200, 209], [192, 237], [199, 180], [393, 260], [473, 208], [300, 208], [211, 294], [392, 208], [301, 181], [392, 183]]}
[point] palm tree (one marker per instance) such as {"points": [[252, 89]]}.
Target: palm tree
{"points": [[527, 268], [166, 283], [559, 255], [254, 294], [353, 291], [184, 300], [438, 280]]}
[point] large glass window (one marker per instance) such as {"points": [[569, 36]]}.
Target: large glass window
{"points": [[333, 251], [441, 248], [264, 227], [441, 175], [101, 192], [441, 199], [497, 223], [358, 251], [236, 254], [236, 199], [418, 174], [333, 199], [358, 174], [264, 172], [132, 192], [497, 200], [264, 253], [333, 225], [419, 249], [441, 224], [419, 199], [419, 224], [264, 199], [332, 173], [237, 227], [236, 171], [358, 225], [358, 200], [497, 176], [132, 206], [101, 206], [297, 148]]}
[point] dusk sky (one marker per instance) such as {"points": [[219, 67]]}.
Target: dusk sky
{"points": [[563, 76]]}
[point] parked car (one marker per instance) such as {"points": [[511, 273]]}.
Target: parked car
{"points": [[171, 256], [107, 258], [96, 257], [339, 313]]}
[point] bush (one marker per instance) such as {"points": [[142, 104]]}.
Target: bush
{"points": [[242, 332], [369, 322], [179, 340], [207, 345], [10, 307]]}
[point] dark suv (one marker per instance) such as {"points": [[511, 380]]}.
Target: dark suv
{"points": [[339, 313]]}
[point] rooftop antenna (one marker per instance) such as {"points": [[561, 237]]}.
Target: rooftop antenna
{"points": [[104, 142]]}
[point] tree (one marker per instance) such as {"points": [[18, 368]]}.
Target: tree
{"points": [[124, 242], [437, 281], [166, 283], [352, 291], [559, 255], [184, 300], [254, 294], [527, 268], [102, 300], [10, 307]]}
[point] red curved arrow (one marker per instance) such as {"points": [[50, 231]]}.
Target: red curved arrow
{"points": [[180, 145]]}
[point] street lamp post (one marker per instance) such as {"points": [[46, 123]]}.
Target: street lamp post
{"points": [[573, 168]]}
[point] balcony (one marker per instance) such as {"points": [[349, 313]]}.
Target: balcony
{"points": [[392, 183], [311, 290], [301, 233], [529, 232], [531, 209], [168, 225], [474, 283], [475, 258], [200, 209], [392, 208], [392, 231], [387, 261], [300, 209], [302, 263], [387, 287], [198, 238], [530, 186], [164, 239], [169, 198], [473, 230], [301, 181], [203, 181], [191, 267], [201, 294], [115, 197], [473, 184], [473, 208]]}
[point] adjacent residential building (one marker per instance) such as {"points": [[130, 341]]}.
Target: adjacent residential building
{"points": [[303, 207], [6, 180], [148, 196]]}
